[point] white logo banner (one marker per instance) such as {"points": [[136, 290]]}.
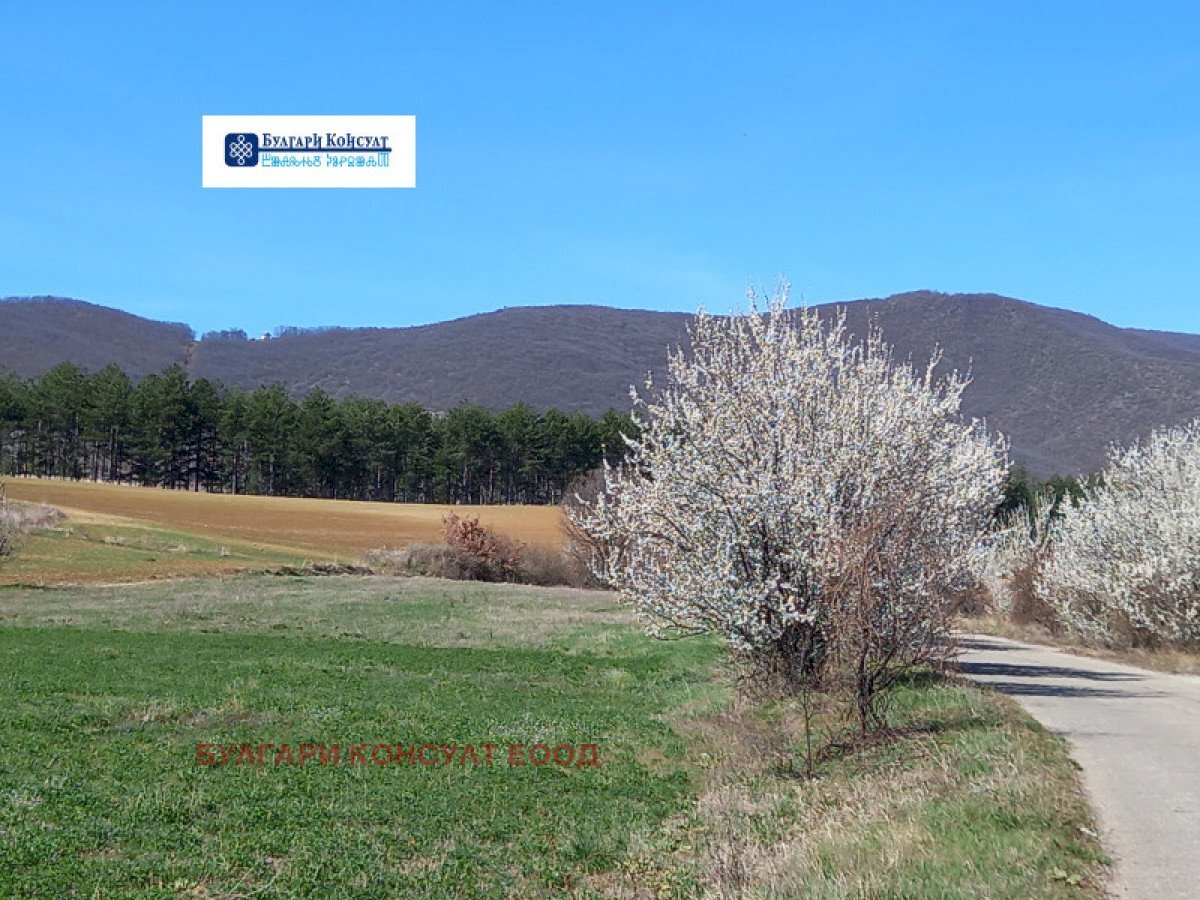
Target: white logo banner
{"points": [[309, 151]]}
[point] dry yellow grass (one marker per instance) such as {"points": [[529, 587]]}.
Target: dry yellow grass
{"points": [[323, 527]]}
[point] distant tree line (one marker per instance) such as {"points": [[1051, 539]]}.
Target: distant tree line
{"points": [[171, 431], [1025, 492]]}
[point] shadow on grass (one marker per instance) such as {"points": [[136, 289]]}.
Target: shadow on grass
{"points": [[919, 679], [853, 746]]}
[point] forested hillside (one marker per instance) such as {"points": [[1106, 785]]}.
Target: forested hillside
{"points": [[38, 333], [1060, 384]]}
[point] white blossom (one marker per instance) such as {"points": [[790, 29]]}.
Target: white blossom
{"points": [[1130, 555], [1018, 542], [778, 462]]}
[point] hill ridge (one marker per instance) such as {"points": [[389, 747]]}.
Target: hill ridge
{"points": [[1061, 384]]}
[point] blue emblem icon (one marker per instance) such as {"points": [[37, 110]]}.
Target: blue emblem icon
{"points": [[241, 150]]}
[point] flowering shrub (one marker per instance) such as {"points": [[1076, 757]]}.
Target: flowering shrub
{"points": [[583, 550], [1126, 564], [803, 495], [1014, 553]]}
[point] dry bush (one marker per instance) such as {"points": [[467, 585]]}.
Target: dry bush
{"points": [[8, 534], [582, 549], [474, 552], [17, 519], [1027, 608], [433, 560], [498, 555], [8, 539], [973, 601], [538, 565], [547, 567], [26, 517]]}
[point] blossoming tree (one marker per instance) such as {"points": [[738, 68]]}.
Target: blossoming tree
{"points": [[1017, 547], [1126, 564], [801, 494]]}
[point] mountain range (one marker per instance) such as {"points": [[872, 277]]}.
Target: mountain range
{"points": [[1061, 385]]}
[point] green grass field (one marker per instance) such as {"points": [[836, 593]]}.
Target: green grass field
{"points": [[91, 552], [108, 690]]}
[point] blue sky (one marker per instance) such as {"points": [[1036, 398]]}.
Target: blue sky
{"points": [[656, 155]]}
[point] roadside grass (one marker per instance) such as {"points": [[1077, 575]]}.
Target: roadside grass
{"points": [[1174, 660], [967, 797], [109, 689]]}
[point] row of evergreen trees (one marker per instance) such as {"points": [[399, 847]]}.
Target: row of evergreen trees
{"points": [[170, 431]]}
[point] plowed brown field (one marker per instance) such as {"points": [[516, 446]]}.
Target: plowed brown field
{"points": [[344, 528]]}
